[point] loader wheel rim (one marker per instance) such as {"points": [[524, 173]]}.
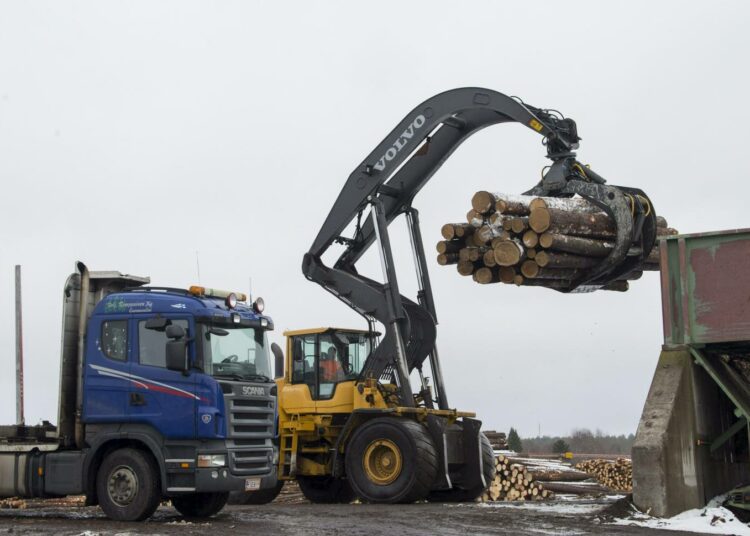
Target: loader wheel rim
{"points": [[382, 462], [122, 485]]}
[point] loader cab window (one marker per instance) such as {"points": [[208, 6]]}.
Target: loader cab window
{"points": [[324, 360]]}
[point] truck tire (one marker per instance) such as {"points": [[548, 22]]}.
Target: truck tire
{"points": [[326, 490], [391, 460], [263, 496], [468, 495], [127, 485], [200, 505]]}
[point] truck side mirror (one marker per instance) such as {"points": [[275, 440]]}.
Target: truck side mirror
{"points": [[177, 355], [158, 323], [278, 360]]}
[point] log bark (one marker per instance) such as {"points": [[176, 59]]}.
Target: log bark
{"points": [[564, 260], [552, 475], [514, 205], [569, 204], [575, 488], [577, 245], [593, 224]]}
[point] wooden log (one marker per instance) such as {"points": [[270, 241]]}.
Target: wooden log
{"points": [[552, 475], [485, 276], [566, 274], [575, 488], [449, 246], [617, 286], [504, 236], [456, 230], [577, 245], [529, 269], [445, 259], [509, 253], [465, 268], [483, 202], [474, 218], [487, 232], [548, 259], [594, 224], [489, 258], [569, 204], [530, 239], [506, 274], [470, 254], [518, 224], [531, 253], [514, 205]]}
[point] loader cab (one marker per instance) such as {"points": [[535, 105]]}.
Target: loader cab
{"points": [[319, 360]]}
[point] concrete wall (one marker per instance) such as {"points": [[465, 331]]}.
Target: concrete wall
{"points": [[673, 468]]}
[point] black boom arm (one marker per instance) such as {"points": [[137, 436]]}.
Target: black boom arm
{"points": [[387, 182]]}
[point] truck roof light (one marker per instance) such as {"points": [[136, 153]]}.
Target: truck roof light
{"points": [[231, 300], [196, 290], [258, 305]]}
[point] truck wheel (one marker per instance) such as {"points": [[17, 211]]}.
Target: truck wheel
{"points": [[468, 495], [127, 485], [263, 496], [391, 460], [200, 504], [326, 489]]}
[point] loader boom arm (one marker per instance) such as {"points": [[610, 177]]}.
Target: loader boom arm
{"points": [[387, 181]]}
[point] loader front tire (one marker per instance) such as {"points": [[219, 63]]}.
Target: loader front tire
{"points": [[391, 460]]}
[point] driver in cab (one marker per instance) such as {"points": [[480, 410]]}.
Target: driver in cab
{"points": [[330, 367]]}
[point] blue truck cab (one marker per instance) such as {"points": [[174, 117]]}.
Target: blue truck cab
{"points": [[164, 393]]}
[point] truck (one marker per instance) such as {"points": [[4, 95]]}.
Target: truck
{"points": [[165, 393]]}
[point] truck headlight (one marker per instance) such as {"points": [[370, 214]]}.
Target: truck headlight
{"points": [[212, 460]]}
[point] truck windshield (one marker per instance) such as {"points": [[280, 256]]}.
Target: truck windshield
{"points": [[239, 353]]}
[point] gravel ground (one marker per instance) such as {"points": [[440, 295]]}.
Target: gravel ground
{"points": [[557, 517]]}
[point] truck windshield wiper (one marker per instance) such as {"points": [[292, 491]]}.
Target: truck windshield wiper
{"points": [[261, 377], [237, 377]]}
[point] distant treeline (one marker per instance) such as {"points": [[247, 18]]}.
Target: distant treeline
{"points": [[581, 440]]}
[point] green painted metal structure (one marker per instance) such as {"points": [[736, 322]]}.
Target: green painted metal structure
{"points": [[693, 438]]}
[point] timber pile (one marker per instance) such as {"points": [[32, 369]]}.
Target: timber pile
{"points": [[17, 503], [514, 482], [535, 241], [498, 440], [616, 475]]}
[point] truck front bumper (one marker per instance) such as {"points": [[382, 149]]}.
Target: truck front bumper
{"points": [[221, 480]]}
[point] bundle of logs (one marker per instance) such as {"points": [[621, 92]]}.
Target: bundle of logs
{"points": [[617, 474], [514, 482], [535, 241], [498, 440]]}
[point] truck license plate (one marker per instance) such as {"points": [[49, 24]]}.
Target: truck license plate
{"points": [[252, 484]]}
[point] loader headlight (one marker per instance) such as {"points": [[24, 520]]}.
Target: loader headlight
{"points": [[212, 460]]}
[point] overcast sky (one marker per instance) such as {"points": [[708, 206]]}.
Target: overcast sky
{"points": [[133, 134]]}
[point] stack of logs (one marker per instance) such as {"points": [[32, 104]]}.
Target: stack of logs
{"points": [[514, 482], [535, 241], [617, 475], [498, 440]]}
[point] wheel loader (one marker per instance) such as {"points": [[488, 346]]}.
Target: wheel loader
{"points": [[350, 422]]}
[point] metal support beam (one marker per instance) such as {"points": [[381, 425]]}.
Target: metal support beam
{"points": [[19, 350], [728, 434]]}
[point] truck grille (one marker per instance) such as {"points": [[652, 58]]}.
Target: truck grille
{"points": [[250, 430]]}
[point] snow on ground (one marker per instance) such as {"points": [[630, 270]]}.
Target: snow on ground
{"points": [[713, 519]]}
